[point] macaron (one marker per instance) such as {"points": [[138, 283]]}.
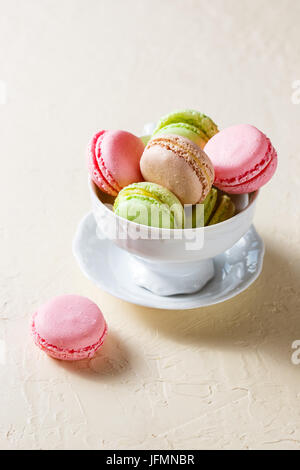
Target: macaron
{"points": [[188, 123], [69, 327], [149, 204], [224, 209], [180, 165], [114, 160], [210, 204], [244, 159], [218, 207]]}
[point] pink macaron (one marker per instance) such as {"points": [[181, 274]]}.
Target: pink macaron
{"points": [[114, 160], [243, 157], [69, 327]]}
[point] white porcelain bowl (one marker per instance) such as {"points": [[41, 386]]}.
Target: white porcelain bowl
{"points": [[169, 262]]}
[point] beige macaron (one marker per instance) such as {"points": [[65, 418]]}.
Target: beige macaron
{"points": [[180, 165]]}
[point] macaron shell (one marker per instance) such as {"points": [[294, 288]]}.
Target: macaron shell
{"points": [[158, 191], [189, 116], [209, 204], [255, 183], [224, 211], [94, 169], [145, 211], [137, 202], [69, 326], [121, 152], [67, 354], [240, 154], [102, 166], [158, 163], [179, 165], [185, 130]]}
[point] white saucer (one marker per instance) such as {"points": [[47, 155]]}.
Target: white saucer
{"points": [[107, 266]]}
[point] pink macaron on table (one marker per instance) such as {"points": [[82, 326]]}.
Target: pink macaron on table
{"points": [[69, 327]]}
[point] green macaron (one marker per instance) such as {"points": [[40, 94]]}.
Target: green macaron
{"points": [[217, 208], [149, 204], [225, 210], [188, 123]]}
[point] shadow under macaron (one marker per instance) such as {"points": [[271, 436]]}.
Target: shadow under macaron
{"points": [[110, 361]]}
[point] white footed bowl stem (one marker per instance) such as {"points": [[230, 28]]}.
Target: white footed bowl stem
{"points": [[169, 278]]}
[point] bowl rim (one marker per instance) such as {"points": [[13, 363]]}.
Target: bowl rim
{"points": [[207, 228]]}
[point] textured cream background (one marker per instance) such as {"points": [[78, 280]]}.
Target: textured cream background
{"points": [[213, 378]]}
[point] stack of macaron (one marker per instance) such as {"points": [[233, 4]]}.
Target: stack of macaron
{"points": [[186, 161]]}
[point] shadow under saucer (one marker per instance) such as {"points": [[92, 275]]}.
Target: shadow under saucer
{"points": [[265, 315]]}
